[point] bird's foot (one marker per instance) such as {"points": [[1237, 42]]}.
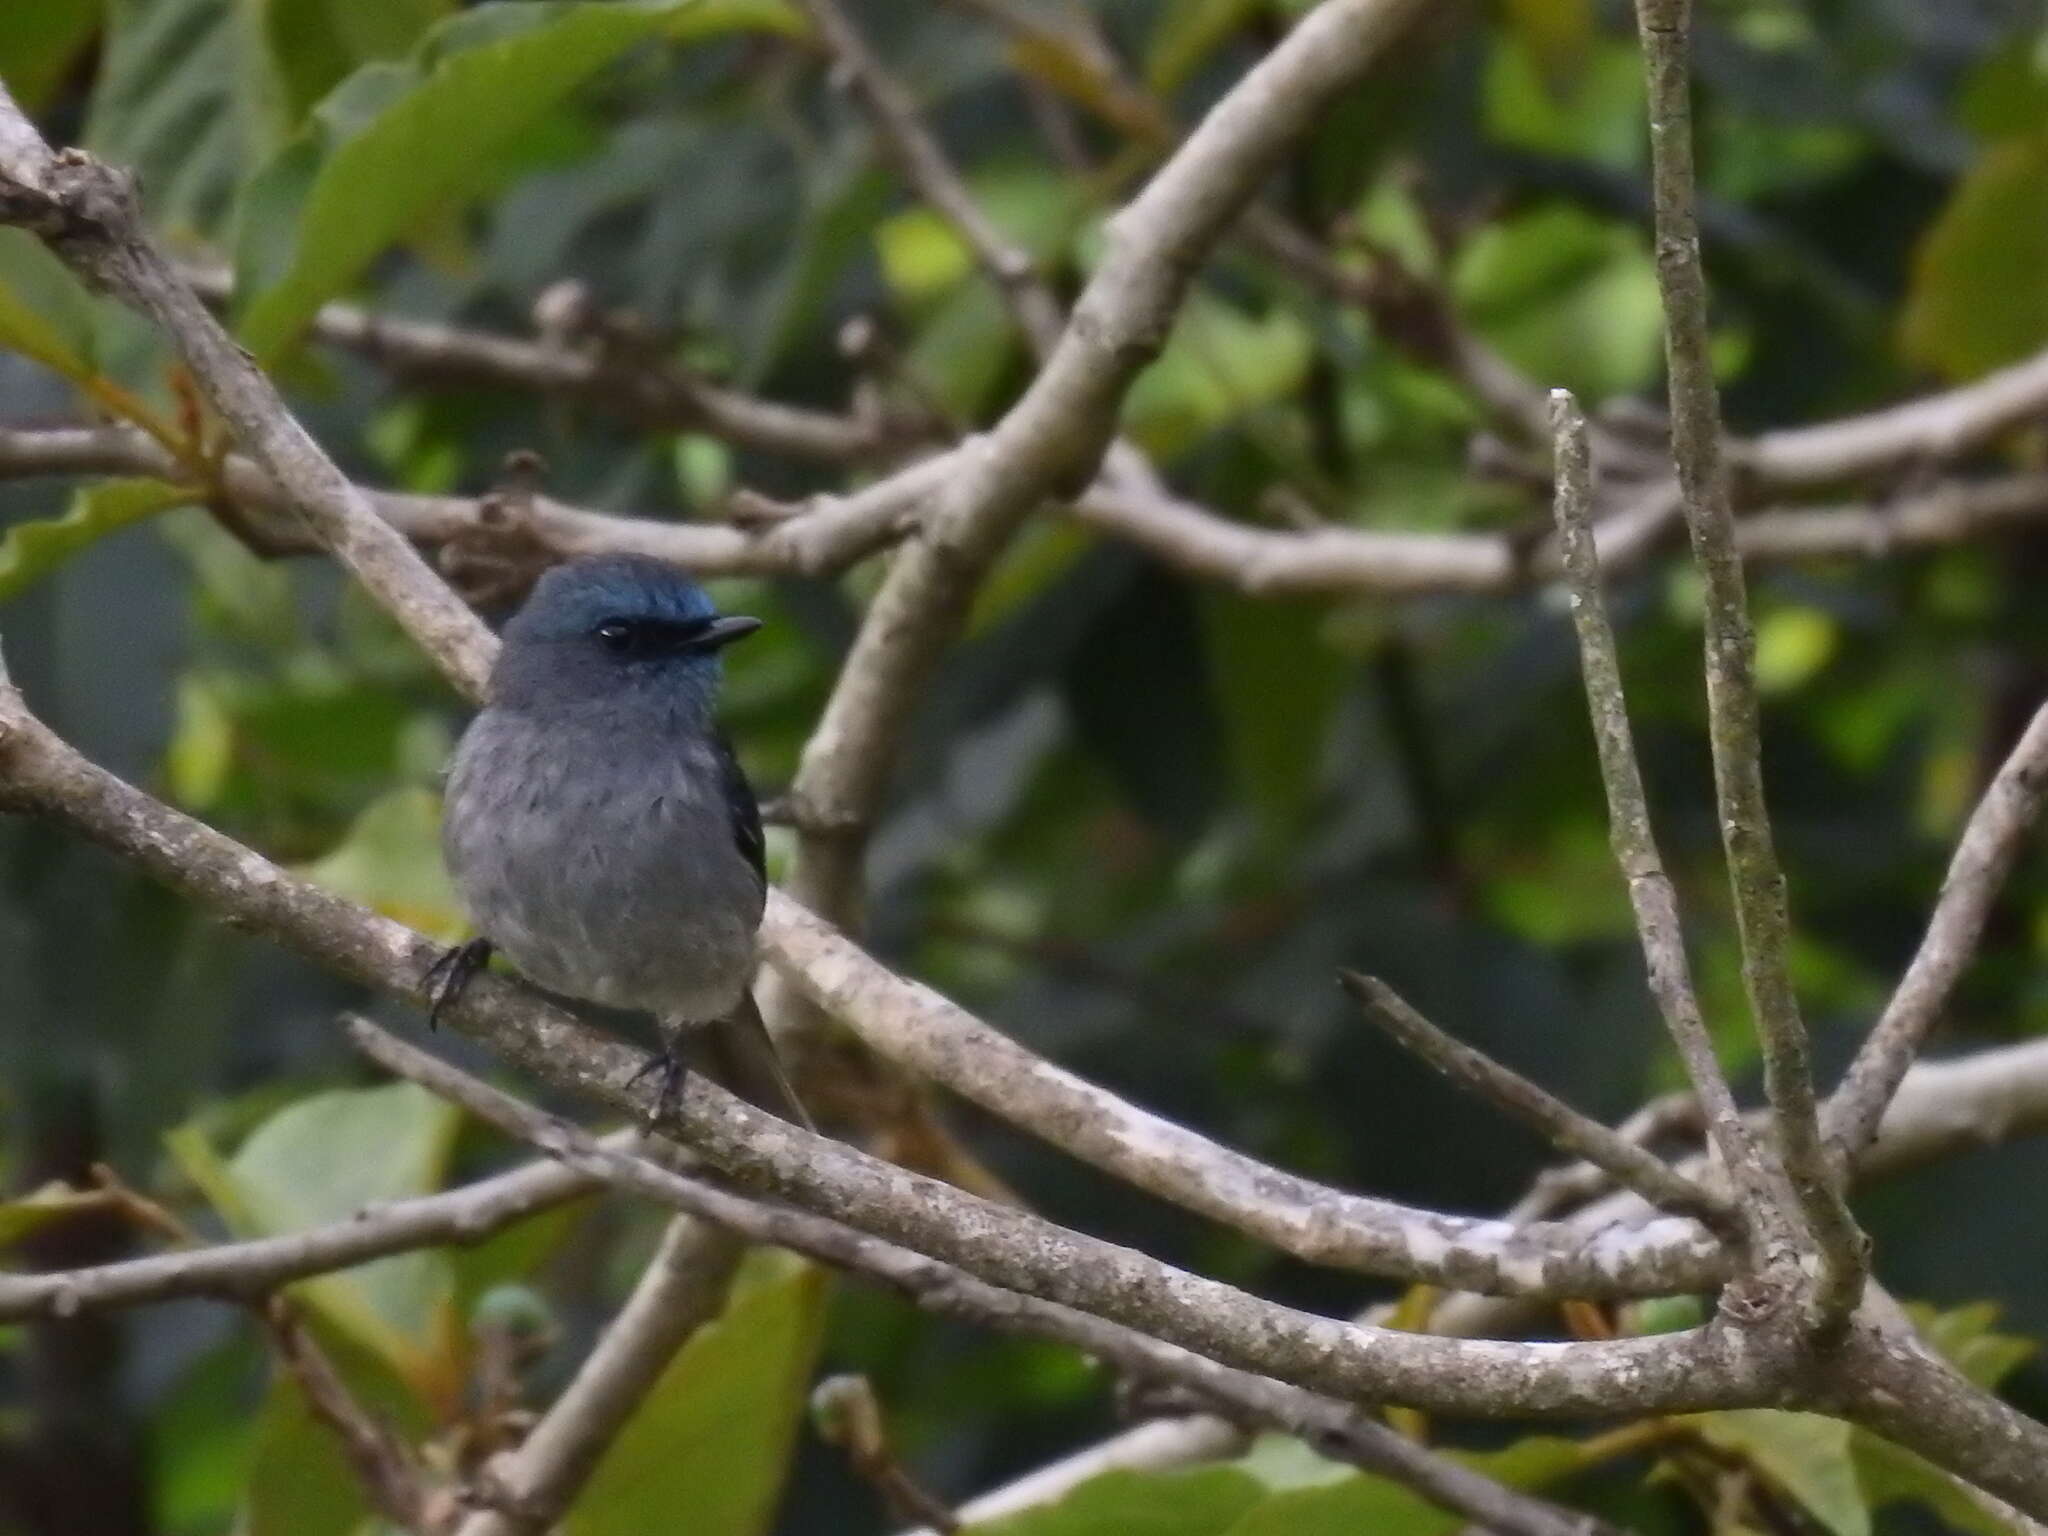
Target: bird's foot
{"points": [[447, 976], [668, 1065]]}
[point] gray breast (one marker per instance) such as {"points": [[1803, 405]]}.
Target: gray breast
{"points": [[603, 864]]}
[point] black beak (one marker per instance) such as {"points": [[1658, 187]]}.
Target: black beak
{"points": [[726, 630]]}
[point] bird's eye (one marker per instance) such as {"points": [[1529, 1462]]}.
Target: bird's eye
{"points": [[615, 635]]}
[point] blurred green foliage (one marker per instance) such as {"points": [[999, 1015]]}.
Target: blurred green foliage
{"points": [[1141, 819]]}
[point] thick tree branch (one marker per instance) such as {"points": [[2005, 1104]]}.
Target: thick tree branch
{"points": [[1572, 1133], [1750, 1357], [1337, 1428], [1762, 922], [1005, 1247], [87, 214]]}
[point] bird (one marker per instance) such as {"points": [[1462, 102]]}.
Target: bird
{"points": [[599, 830]]}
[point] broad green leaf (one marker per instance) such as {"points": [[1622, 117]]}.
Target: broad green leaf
{"points": [[1978, 296], [1282, 1462], [2007, 93], [1220, 365], [1358, 1502], [396, 144], [322, 1160], [715, 1434], [1590, 111], [314, 44], [1567, 296], [1890, 1474], [41, 41], [1966, 1337], [202, 749], [1205, 1501], [202, 1438], [299, 1481], [391, 860], [31, 550], [25, 1213], [179, 99], [1806, 1456], [45, 314]]}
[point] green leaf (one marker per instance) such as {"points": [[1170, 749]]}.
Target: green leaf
{"points": [[179, 99], [202, 749], [1891, 1474], [45, 313], [1356, 1501], [1570, 297], [1806, 1456], [40, 43], [1591, 110], [1978, 297], [715, 1434], [42, 1205], [1219, 365], [2007, 93], [397, 144], [1204, 1501], [31, 550], [299, 1481], [322, 1160], [391, 860], [1965, 1337], [314, 44]]}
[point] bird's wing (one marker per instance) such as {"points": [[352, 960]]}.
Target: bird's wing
{"points": [[740, 806]]}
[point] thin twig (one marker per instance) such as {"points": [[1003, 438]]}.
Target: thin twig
{"points": [[1984, 856], [1651, 894], [1572, 1133], [931, 175], [644, 388], [386, 1467], [847, 1414], [917, 1027], [1762, 923], [683, 1287], [253, 1269]]}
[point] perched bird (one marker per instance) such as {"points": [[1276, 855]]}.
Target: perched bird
{"points": [[599, 829]]}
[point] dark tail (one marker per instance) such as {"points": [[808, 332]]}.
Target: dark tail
{"points": [[739, 1052]]}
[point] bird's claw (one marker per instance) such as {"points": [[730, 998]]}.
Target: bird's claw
{"points": [[673, 1071], [447, 976]]}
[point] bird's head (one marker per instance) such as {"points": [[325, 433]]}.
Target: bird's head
{"points": [[613, 624]]}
